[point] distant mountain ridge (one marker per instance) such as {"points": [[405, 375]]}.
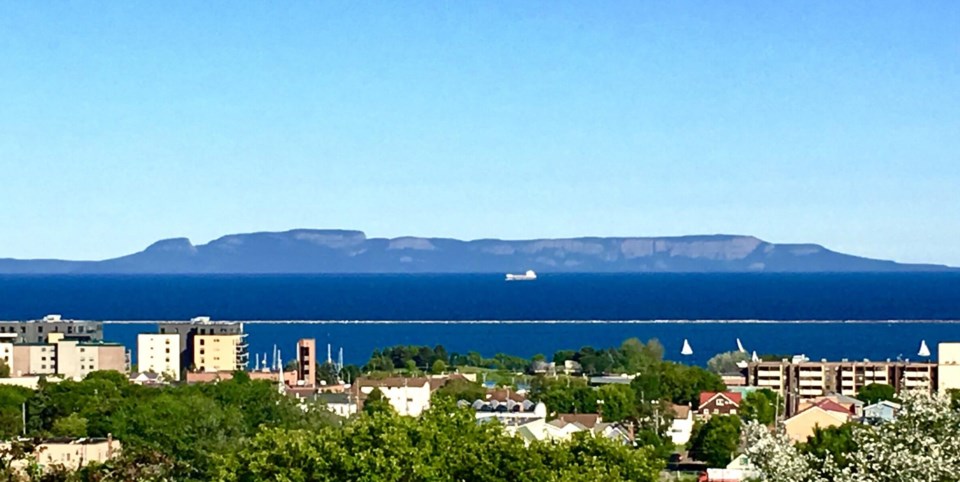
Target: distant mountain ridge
{"points": [[345, 251]]}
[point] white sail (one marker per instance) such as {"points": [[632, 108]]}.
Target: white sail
{"points": [[740, 347], [754, 358], [924, 350], [686, 348]]}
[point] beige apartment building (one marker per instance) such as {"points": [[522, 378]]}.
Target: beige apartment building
{"points": [[948, 369], [68, 358], [159, 353], [215, 353], [805, 380]]}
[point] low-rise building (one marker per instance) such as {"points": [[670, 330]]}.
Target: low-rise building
{"points": [[342, 404], [880, 412], [682, 425], [408, 396], [824, 414], [718, 403], [69, 453]]}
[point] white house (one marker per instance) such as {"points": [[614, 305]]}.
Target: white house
{"points": [[682, 425], [408, 396]]}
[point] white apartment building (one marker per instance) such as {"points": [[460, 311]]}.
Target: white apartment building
{"points": [[159, 353]]}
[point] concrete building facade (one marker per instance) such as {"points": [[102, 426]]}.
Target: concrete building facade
{"points": [[37, 331], [68, 358], [948, 367], [215, 353], [200, 325], [807, 380], [159, 354], [307, 362]]}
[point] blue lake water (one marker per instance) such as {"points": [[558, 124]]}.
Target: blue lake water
{"points": [[921, 305]]}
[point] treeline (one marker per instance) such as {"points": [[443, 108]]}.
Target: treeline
{"points": [[424, 358], [243, 430]]}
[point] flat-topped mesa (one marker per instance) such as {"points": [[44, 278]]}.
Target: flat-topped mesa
{"points": [[350, 251]]}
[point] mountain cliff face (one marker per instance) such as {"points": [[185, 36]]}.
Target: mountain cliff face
{"points": [[341, 251]]}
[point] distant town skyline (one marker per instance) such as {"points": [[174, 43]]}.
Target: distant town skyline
{"points": [[819, 122]]}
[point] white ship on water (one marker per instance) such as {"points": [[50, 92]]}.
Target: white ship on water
{"points": [[530, 275]]}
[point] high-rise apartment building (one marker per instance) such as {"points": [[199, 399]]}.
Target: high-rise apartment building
{"points": [[38, 331], [202, 326], [805, 380], [69, 358], [215, 353], [159, 354]]}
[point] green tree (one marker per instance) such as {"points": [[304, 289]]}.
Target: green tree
{"points": [[715, 442], [875, 392], [376, 403], [459, 389], [725, 363], [72, 425], [4, 369], [438, 367], [761, 406], [327, 373], [619, 402], [836, 441], [12, 400]]}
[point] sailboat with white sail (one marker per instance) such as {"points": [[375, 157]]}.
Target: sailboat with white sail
{"points": [[740, 347], [686, 350], [924, 350]]}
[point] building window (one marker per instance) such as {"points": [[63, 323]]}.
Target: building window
{"points": [[39, 329], [168, 350], [43, 358], [201, 342]]}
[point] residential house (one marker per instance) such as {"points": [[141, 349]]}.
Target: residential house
{"points": [[718, 403], [146, 378], [880, 412], [408, 396], [851, 404], [824, 414], [342, 404], [682, 425], [588, 420]]}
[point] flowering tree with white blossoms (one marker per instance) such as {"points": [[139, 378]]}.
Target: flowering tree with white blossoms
{"points": [[921, 445]]}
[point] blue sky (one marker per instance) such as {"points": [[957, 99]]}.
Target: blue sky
{"points": [[832, 122]]}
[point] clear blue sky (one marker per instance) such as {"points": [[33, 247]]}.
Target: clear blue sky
{"points": [[832, 122]]}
